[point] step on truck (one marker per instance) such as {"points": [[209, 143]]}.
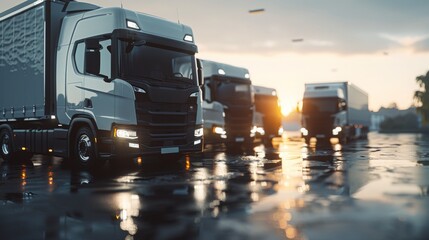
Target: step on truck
{"points": [[89, 83], [334, 110], [231, 86], [267, 104]]}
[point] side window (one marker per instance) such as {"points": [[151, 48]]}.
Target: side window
{"points": [[93, 57], [79, 57]]}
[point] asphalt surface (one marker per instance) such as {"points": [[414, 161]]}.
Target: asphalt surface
{"points": [[369, 189]]}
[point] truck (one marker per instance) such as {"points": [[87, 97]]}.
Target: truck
{"points": [[334, 110], [214, 123], [89, 83], [267, 104], [231, 86]]}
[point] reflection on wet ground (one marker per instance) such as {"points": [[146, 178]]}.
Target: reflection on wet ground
{"points": [[375, 189]]}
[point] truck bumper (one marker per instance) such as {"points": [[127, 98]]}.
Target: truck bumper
{"points": [[213, 138], [118, 148]]}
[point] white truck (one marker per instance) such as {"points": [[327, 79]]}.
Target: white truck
{"points": [[334, 110], [89, 83]]}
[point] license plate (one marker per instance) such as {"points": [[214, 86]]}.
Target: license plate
{"points": [[169, 150], [320, 136], [239, 139]]}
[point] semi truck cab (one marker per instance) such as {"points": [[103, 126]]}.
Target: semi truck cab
{"points": [[231, 86], [267, 104], [334, 110]]}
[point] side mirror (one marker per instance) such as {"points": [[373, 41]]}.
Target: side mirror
{"points": [[200, 72]]}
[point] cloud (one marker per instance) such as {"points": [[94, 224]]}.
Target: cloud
{"points": [[422, 45], [334, 26], [337, 26]]}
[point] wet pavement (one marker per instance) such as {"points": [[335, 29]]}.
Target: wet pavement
{"points": [[370, 189]]}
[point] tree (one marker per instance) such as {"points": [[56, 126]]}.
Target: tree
{"points": [[404, 122], [421, 96]]}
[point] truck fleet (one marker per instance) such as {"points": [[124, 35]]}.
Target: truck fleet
{"points": [[335, 109], [89, 83]]}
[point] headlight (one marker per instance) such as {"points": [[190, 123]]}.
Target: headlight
{"points": [[281, 130], [124, 133], [336, 131], [255, 130], [304, 132], [219, 130], [198, 132], [260, 130]]}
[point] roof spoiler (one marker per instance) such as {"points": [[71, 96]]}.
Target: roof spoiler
{"points": [[71, 6]]}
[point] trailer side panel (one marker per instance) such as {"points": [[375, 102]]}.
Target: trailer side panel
{"points": [[22, 65]]}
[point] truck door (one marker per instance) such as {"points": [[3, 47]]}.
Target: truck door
{"points": [[74, 80], [99, 95], [87, 92]]}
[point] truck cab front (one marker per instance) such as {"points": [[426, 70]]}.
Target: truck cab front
{"points": [[323, 113], [134, 76]]}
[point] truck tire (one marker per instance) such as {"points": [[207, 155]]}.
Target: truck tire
{"points": [[84, 152], [6, 142]]}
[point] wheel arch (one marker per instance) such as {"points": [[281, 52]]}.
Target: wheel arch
{"points": [[6, 126], [77, 123]]}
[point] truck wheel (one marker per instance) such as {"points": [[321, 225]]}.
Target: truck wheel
{"points": [[84, 149], [6, 145]]}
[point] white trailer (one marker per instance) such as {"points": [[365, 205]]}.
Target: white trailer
{"points": [[336, 109]]}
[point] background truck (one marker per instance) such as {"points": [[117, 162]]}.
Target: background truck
{"points": [[267, 104], [231, 86], [84, 82], [336, 109], [214, 122]]}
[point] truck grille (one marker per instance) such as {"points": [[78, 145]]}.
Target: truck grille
{"points": [[165, 123], [238, 122], [320, 125]]}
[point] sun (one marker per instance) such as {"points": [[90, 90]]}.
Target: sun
{"points": [[287, 107]]}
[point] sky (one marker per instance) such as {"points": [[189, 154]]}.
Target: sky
{"points": [[379, 45]]}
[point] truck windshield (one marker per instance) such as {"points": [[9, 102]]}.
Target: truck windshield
{"points": [[320, 105], [233, 93], [142, 61]]}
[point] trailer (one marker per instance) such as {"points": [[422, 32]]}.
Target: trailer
{"points": [[336, 109], [89, 83]]}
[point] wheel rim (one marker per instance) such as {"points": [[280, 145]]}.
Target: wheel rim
{"points": [[84, 147], [5, 145]]}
